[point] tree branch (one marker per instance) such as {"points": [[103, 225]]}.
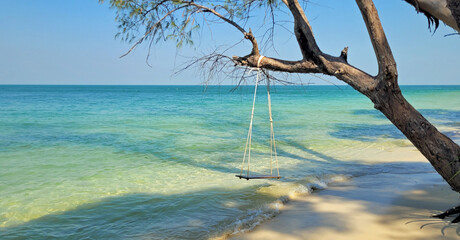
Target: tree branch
{"points": [[247, 35], [199, 8], [206, 9], [302, 66], [303, 31], [355, 77], [385, 59], [314, 61], [147, 33]]}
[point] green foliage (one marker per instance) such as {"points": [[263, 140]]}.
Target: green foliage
{"points": [[176, 20]]}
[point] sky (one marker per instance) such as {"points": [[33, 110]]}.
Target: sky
{"points": [[72, 42]]}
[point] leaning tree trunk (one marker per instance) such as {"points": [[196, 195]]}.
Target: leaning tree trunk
{"points": [[440, 150]]}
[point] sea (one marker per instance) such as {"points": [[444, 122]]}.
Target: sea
{"points": [[159, 162]]}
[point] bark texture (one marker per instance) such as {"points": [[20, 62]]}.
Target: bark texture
{"points": [[440, 150], [454, 6]]}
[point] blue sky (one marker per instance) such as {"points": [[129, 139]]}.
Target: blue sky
{"points": [[72, 42]]}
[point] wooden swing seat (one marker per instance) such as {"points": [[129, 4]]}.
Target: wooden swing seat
{"points": [[256, 177]]}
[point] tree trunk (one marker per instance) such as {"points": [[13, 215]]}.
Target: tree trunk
{"points": [[440, 150]]}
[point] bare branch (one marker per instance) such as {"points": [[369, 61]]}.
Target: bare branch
{"points": [[302, 66], [247, 35], [303, 32], [206, 9], [386, 61], [344, 54]]}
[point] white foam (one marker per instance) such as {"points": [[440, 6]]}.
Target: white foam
{"points": [[289, 190]]}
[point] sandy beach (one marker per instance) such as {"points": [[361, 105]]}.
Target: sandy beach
{"points": [[383, 206]]}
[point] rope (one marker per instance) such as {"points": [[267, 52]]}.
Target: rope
{"points": [[247, 149], [249, 138], [272, 134]]}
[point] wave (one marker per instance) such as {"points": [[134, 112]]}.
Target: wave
{"points": [[285, 192]]}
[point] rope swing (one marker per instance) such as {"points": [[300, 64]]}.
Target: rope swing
{"points": [[247, 149]]}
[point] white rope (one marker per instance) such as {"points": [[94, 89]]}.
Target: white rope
{"points": [[247, 149], [272, 133], [258, 63], [249, 138]]}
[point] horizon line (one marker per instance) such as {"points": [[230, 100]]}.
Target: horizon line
{"points": [[204, 85]]}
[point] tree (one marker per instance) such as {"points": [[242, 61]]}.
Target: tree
{"points": [[447, 11], [177, 20]]}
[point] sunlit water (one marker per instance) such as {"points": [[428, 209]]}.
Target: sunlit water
{"points": [[156, 162]]}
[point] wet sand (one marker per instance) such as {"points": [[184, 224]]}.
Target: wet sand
{"points": [[383, 206]]}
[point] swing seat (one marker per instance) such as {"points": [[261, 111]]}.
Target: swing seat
{"points": [[256, 177]]}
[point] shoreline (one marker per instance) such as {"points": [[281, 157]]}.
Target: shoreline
{"points": [[381, 206]]}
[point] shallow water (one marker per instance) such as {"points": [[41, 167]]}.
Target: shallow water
{"points": [[156, 162]]}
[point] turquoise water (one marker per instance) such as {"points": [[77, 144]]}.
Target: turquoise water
{"points": [[158, 162]]}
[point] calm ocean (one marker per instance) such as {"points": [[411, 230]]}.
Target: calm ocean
{"points": [[158, 162]]}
